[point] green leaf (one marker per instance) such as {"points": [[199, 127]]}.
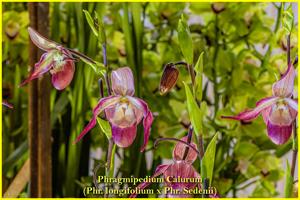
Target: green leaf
{"points": [[207, 164], [198, 77], [193, 110], [112, 162], [185, 40], [105, 127], [288, 19], [99, 68], [288, 187], [90, 22], [101, 36]]}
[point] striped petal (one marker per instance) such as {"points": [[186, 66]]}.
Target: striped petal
{"points": [[160, 169], [40, 41], [62, 78], [44, 65], [123, 137], [179, 151], [122, 81], [102, 104], [284, 87], [147, 118], [253, 113], [183, 170], [279, 134]]}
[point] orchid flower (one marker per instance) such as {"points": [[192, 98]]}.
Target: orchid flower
{"points": [[180, 167], [122, 110], [278, 111], [57, 60]]}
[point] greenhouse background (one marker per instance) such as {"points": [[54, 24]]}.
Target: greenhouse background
{"points": [[251, 48]]}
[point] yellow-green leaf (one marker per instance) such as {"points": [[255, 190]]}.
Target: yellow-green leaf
{"points": [[105, 127], [193, 110], [198, 77], [208, 160], [185, 40]]}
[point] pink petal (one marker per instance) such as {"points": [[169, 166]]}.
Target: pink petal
{"points": [[279, 134], [123, 137], [45, 63], [179, 151], [63, 78], [122, 81], [160, 169], [284, 87], [124, 114], [5, 103], [148, 118], [293, 103], [280, 114], [183, 170], [102, 104], [253, 113], [40, 41]]}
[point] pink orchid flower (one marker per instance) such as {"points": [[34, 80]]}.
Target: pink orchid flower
{"points": [[181, 168], [122, 110], [57, 60], [278, 111]]}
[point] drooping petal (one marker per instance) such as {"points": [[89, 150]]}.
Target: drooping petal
{"points": [[160, 169], [253, 113], [123, 137], [44, 65], [62, 78], [279, 134], [284, 87], [5, 103], [148, 118], [122, 81], [181, 169], [40, 41], [102, 104], [179, 151]]}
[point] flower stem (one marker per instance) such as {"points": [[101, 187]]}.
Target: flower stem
{"points": [[186, 150]]}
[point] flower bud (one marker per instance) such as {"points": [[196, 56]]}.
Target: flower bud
{"points": [[169, 78], [218, 7]]}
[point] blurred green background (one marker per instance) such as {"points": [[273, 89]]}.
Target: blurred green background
{"points": [[251, 54]]}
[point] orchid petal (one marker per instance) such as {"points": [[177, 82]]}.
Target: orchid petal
{"points": [[40, 41], [123, 137], [279, 134], [45, 63], [102, 104], [124, 114], [179, 151], [183, 170], [5, 103], [280, 114], [160, 169], [253, 113], [284, 87], [148, 118], [292, 103], [63, 77], [122, 81]]}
